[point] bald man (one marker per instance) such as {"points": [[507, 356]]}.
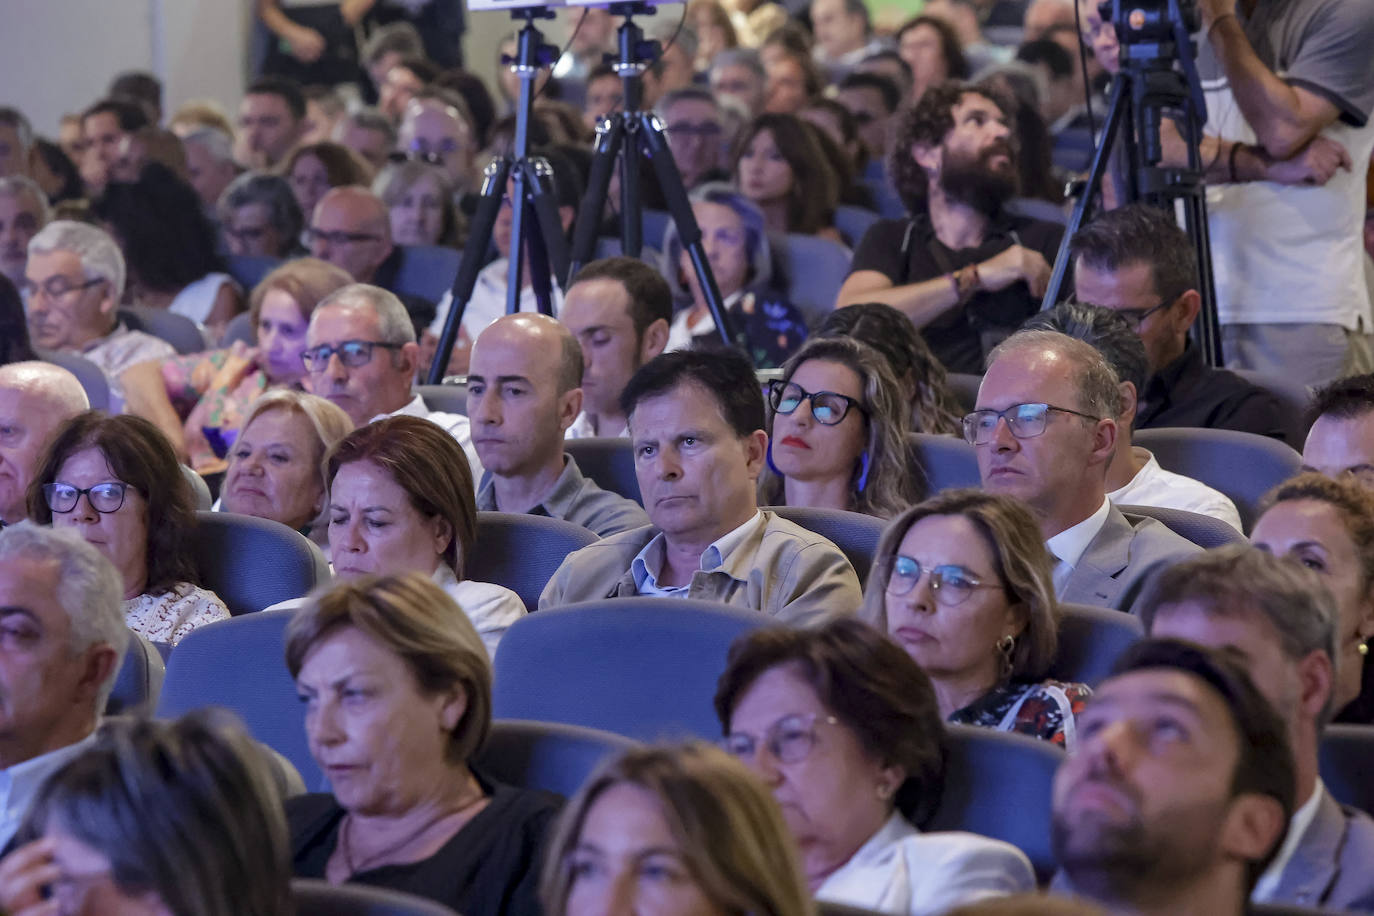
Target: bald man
{"points": [[35, 399], [523, 394]]}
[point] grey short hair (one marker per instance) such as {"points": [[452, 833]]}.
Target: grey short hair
{"points": [[89, 589], [1098, 391], [15, 185], [213, 140], [1105, 331], [692, 93], [393, 321], [271, 190], [368, 118], [100, 256], [757, 250], [1239, 580], [744, 57]]}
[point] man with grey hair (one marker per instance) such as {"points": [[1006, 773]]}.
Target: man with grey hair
{"points": [[361, 354], [16, 142], [1280, 619], [369, 134], [210, 164], [62, 641], [737, 74], [73, 283], [1045, 432], [696, 134], [35, 399], [23, 211], [524, 391], [1134, 477]]}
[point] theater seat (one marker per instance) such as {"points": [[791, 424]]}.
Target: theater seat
{"points": [[181, 332], [522, 552], [138, 684], [815, 269], [426, 271], [320, 898], [249, 269], [852, 222], [1294, 396], [1091, 639], [854, 533], [253, 563], [1346, 760], [998, 784], [551, 756], [641, 667], [91, 377], [200, 490], [444, 398], [1203, 530], [608, 462], [1244, 466], [948, 462], [239, 330]]}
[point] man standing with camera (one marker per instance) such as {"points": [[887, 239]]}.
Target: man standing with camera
{"points": [[1290, 90]]}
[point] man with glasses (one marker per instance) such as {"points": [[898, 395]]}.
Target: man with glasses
{"points": [[360, 353], [1136, 261], [1045, 432], [696, 427], [73, 283], [437, 127], [696, 134], [1341, 441]]}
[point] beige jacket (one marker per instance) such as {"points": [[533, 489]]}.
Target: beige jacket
{"points": [[781, 569]]}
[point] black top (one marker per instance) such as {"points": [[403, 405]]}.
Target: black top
{"points": [[962, 336], [489, 868], [1188, 392]]}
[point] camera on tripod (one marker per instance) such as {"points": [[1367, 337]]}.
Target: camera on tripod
{"points": [[1153, 30]]}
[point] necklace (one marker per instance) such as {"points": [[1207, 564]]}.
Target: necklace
{"points": [[346, 842]]}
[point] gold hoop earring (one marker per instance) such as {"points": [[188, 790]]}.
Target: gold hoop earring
{"points": [[1005, 647]]}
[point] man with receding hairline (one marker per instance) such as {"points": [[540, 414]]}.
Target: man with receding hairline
{"points": [[523, 394], [35, 399]]}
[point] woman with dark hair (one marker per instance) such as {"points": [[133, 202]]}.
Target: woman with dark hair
{"points": [[14, 329], [313, 169], [843, 726], [930, 47], [169, 247], [56, 174], [117, 483], [780, 167], [934, 409]]}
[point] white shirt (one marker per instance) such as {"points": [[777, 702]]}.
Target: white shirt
{"points": [[582, 428], [648, 563], [680, 333], [1154, 486], [197, 299], [1068, 545], [1268, 884], [19, 783], [491, 608], [455, 424], [904, 872], [488, 301]]}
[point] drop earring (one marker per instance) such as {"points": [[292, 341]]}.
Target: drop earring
{"points": [[768, 456], [863, 471]]}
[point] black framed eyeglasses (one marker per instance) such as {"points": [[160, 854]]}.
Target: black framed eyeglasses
{"points": [[55, 288], [790, 739], [103, 497], [951, 583], [1133, 317], [1026, 421], [827, 407], [313, 235], [708, 129], [352, 353]]}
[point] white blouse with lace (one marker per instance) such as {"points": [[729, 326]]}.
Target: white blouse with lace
{"points": [[170, 616]]}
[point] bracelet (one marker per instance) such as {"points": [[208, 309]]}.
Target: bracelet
{"points": [[1231, 162]]}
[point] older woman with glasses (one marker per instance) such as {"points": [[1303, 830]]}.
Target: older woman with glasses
{"points": [[259, 217], [116, 482], [837, 434], [843, 728], [962, 582]]}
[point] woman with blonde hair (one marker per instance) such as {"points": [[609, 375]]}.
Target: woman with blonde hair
{"points": [[837, 433], [963, 583], [673, 829]]}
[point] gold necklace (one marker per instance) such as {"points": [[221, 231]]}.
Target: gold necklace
{"points": [[346, 844]]}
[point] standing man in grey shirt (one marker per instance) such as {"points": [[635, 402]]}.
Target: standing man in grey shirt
{"points": [[523, 394]]}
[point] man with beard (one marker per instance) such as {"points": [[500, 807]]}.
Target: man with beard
{"points": [[1177, 797], [962, 268]]}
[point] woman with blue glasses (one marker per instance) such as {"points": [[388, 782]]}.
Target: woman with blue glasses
{"points": [[837, 433], [962, 582]]}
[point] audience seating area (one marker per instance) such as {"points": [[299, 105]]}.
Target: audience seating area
{"points": [[253, 563], [1244, 466]]}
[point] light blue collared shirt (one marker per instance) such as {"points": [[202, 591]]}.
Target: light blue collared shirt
{"points": [[648, 563], [19, 783]]}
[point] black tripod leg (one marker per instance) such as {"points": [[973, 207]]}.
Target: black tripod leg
{"points": [[544, 202], [474, 254], [631, 208], [675, 194], [609, 135]]}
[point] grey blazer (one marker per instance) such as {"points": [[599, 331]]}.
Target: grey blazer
{"points": [[1333, 866], [1120, 560]]}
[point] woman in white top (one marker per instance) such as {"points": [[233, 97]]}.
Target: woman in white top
{"points": [[116, 482], [401, 499], [842, 726]]}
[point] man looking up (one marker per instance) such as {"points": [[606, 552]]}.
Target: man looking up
{"points": [[35, 399], [619, 310], [1280, 619], [523, 395], [696, 426], [1045, 432]]}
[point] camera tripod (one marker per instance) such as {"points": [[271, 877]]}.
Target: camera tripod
{"points": [[1146, 90]]}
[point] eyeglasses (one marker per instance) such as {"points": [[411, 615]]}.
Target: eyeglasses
{"points": [[1026, 421], [340, 238], [352, 353], [789, 739], [1133, 317], [55, 288], [951, 584], [706, 129], [103, 497], [827, 407]]}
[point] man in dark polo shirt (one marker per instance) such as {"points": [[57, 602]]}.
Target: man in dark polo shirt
{"points": [[1136, 261], [962, 268]]}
